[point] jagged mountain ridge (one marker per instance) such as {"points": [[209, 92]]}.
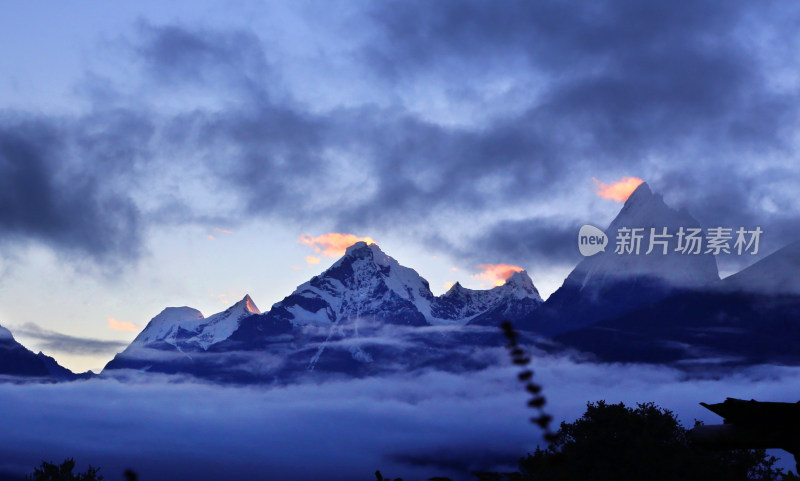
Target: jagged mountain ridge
{"points": [[511, 300], [365, 286], [18, 361], [332, 320], [186, 327]]}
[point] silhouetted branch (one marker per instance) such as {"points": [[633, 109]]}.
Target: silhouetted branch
{"points": [[537, 402]]}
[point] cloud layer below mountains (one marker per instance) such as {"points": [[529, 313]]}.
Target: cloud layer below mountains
{"points": [[410, 426]]}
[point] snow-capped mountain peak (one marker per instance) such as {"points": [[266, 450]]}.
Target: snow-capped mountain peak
{"points": [[164, 327], [455, 290], [462, 305], [220, 326], [365, 292], [647, 211], [641, 263], [358, 248], [641, 195], [249, 305], [520, 286], [186, 327], [365, 283]]}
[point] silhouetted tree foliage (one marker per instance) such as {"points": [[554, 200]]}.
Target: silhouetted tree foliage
{"points": [[613, 442], [63, 472]]}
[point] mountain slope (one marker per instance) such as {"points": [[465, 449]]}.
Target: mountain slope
{"points": [[778, 273], [18, 361], [185, 328], [364, 284], [176, 340], [609, 283], [514, 300], [748, 318]]}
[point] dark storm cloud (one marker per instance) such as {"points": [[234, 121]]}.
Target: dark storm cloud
{"points": [[623, 81], [635, 76], [634, 80], [682, 80], [734, 201], [52, 341], [282, 162], [57, 185], [176, 55], [421, 167], [522, 241], [593, 89]]}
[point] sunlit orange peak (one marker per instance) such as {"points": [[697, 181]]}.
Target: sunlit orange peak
{"points": [[497, 274], [618, 191], [332, 244]]}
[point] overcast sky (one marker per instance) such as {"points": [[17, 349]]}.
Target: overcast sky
{"points": [[164, 154]]}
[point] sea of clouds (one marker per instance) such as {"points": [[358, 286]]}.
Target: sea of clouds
{"points": [[413, 425]]}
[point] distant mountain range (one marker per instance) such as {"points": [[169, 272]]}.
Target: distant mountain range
{"points": [[367, 315], [18, 361]]}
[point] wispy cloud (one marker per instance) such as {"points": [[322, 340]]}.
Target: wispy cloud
{"points": [[496, 274], [618, 191], [313, 260], [117, 325], [226, 298], [332, 244], [52, 341]]}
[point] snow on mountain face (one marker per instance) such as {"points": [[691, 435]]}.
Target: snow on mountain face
{"points": [[165, 326], [520, 286], [220, 326], [185, 326], [332, 322], [647, 210], [364, 284], [460, 305], [327, 321]]}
